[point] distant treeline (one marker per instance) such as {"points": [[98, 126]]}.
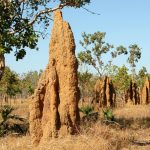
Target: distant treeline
{"points": [[13, 85]]}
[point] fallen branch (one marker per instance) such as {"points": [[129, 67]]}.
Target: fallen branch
{"points": [[112, 122], [141, 143]]}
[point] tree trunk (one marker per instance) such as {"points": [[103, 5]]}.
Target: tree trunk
{"points": [[2, 65]]}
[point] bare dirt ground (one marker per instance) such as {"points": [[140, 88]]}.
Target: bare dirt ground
{"points": [[132, 132]]}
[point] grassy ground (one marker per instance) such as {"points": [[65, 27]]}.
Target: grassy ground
{"points": [[131, 133]]}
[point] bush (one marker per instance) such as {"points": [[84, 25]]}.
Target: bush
{"points": [[108, 114], [87, 110], [9, 123], [89, 114]]}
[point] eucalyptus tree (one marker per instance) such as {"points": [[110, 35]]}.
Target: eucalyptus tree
{"points": [[122, 79], [142, 74], [134, 56], [21, 22], [94, 48], [10, 83], [86, 83]]}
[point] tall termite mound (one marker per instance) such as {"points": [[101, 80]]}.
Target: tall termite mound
{"points": [[132, 96], [54, 105], [145, 94], [105, 93]]}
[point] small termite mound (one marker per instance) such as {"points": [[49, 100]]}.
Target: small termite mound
{"points": [[105, 93], [145, 94], [132, 96]]}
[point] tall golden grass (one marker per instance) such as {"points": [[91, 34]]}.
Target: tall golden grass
{"points": [[134, 128]]}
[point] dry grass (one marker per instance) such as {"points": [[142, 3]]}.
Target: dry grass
{"points": [[20, 106], [15, 143], [135, 111], [135, 126]]}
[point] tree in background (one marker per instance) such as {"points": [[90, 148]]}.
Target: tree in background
{"points": [[19, 86], [94, 48], [21, 22], [29, 83], [134, 56], [121, 82], [9, 83], [86, 83], [122, 79], [111, 70], [141, 76]]}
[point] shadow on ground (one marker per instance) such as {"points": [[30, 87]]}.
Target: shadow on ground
{"points": [[134, 123]]}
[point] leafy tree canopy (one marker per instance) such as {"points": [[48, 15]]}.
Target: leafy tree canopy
{"points": [[86, 83], [19, 20], [141, 76], [142, 72], [9, 83], [95, 47], [122, 79]]}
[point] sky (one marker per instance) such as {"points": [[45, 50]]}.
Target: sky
{"points": [[124, 21]]}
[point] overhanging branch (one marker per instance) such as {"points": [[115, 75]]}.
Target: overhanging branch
{"points": [[48, 10]]}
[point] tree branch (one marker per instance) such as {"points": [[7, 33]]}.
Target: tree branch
{"points": [[48, 10], [94, 13]]}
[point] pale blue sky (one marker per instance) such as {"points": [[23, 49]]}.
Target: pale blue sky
{"points": [[124, 21]]}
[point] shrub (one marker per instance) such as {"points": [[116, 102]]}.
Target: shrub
{"points": [[87, 110], [108, 114], [9, 122], [89, 115]]}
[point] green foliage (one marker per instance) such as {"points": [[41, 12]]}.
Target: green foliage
{"points": [[84, 77], [89, 115], [5, 111], [108, 114], [135, 55], [94, 47], [86, 83], [5, 125], [122, 79], [76, 3], [29, 82], [9, 83], [119, 50], [142, 74], [12, 19], [30, 90], [13, 84], [21, 22], [87, 110], [111, 70]]}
